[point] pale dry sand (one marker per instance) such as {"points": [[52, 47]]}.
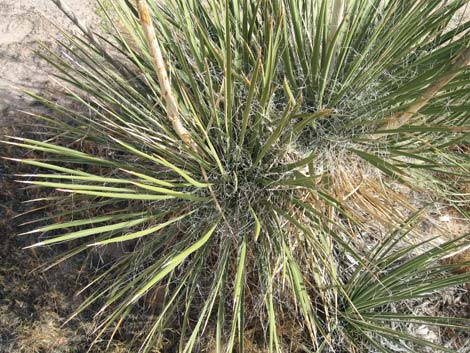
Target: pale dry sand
{"points": [[23, 25]]}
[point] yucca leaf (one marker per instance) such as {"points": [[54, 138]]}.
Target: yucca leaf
{"points": [[174, 262], [143, 232], [92, 231]]}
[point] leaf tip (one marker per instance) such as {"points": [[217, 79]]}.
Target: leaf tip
{"points": [[34, 245]]}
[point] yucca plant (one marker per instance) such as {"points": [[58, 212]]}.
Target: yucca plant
{"points": [[249, 156]]}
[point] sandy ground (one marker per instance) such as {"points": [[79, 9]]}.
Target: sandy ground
{"points": [[23, 25], [33, 305]]}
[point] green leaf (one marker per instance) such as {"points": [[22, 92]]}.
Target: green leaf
{"points": [[174, 262], [143, 232], [92, 231]]}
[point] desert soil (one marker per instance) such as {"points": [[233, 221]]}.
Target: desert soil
{"points": [[33, 305], [23, 25]]}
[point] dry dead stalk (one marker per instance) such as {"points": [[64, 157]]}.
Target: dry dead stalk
{"points": [[337, 14], [170, 100], [159, 64], [402, 118], [92, 37], [83, 27]]}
